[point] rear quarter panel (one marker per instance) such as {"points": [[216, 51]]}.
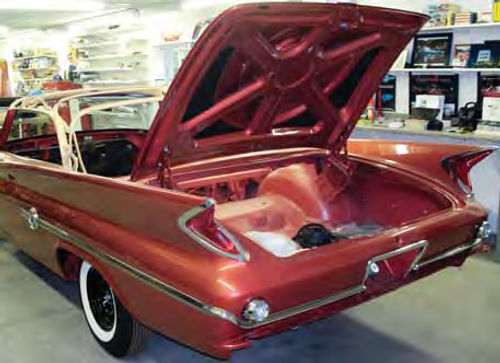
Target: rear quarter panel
{"points": [[425, 158], [133, 223]]}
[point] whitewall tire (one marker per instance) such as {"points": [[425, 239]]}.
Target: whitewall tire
{"points": [[111, 325]]}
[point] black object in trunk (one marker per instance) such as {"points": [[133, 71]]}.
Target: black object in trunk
{"points": [[315, 235]]}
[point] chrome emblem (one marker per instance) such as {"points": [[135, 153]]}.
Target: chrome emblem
{"points": [[33, 218]]}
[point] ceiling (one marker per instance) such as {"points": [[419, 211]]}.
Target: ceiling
{"points": [[16, 19]]}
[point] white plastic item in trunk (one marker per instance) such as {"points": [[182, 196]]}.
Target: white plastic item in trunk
{"points": [[277, 243]]}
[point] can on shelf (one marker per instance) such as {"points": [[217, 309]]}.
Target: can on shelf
{"points": [[496, 10]]}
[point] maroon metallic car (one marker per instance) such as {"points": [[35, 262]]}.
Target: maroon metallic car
{"points": [[234, 207]]}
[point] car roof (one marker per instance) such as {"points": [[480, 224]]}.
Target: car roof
{"points": [[54, 98]]}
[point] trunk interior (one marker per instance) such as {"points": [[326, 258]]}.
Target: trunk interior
{"points": [[287, 207]]}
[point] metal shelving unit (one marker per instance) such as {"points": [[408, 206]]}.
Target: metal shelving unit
{"points": [[34, 67], [468, 77], [111, 56], [172, 54]]}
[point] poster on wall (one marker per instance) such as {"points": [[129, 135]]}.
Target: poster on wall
{"points": [[386, 96]]}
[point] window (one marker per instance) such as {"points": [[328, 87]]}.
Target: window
{"points": [[110, 112], [31, 124]]}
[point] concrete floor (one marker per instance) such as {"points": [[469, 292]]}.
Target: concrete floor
{"points": [[449, 317]]}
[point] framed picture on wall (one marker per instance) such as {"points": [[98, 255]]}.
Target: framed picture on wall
{"points": [[484, 55], [432, 50], [461, 54]]}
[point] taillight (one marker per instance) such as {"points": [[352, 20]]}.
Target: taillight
{"points": [[459, 166], [200, 224]]}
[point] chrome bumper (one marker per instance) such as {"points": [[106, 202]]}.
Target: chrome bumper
{"points": [[421, 246], [450, 253], [483, 232]]}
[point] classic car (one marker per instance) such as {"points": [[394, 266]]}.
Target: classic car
{"points": [[235, 207]]}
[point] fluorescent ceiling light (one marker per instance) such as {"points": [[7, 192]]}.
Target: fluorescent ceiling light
{"points": [[193, 4], [52, 5], [121, 17]]}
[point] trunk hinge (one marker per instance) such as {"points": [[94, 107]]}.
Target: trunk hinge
{"points": [[165, 177], [339, 159]]}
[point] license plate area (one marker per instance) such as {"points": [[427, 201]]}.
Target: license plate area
{"points": [[394, 265]]}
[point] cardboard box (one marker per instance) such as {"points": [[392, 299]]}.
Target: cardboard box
{"points": [[491, 109], [431, 101]]}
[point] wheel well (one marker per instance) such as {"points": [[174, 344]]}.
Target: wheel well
{"points": [[70, 260], [69, 264]]}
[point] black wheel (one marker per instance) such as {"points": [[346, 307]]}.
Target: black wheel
{"points": [[111, 325]]}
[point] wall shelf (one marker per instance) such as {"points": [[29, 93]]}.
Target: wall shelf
{"points": [[188, 42], [38, 69], [477, 26], [110, 32], [104, 70], [112, 56], [35, 57], [97, 45], [445, 70], [38, 79], [114, 82]]}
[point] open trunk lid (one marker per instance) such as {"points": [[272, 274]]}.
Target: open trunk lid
{"points": [[266, 76]]}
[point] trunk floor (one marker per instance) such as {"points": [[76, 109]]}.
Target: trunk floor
{"points": [[452, 316]]}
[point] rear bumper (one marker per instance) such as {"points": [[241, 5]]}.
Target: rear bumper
{"points": [[329, 305], [471, 246], [417, 263], [417, 249]]}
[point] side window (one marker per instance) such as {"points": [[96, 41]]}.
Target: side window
{"points": [[5, 102], [3, 114], [138, 116], [109, 112], [26, 136], [29, 124]]}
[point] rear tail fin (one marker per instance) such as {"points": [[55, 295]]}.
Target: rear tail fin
{"points": [[458, 166]]}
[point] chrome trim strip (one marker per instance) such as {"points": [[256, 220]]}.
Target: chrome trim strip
{"points": [[242, 255], [213, 310], [150, 280], [303, 308], [422, 245], [455, 251]]}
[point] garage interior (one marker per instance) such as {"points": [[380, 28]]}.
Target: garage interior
{"points": [[451, 316]]}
